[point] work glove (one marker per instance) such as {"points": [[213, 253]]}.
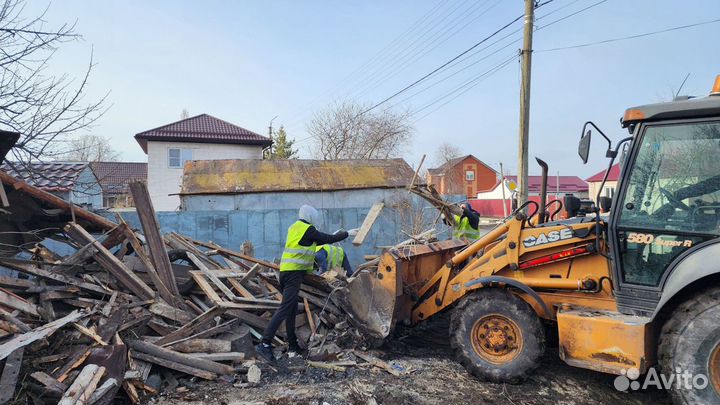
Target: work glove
{"points": [[353, 232]]}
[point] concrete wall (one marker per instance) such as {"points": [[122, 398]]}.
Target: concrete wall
{"points": [[292, 200], [267, 229], [164, 180]]}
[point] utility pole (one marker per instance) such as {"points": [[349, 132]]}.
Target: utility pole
{"points": [[502, 185], [526, 59]]}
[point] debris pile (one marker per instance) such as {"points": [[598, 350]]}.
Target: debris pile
{"points": [[131, 314]]}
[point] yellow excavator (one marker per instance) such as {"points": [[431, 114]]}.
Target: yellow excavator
{"points": [[633, 292]]}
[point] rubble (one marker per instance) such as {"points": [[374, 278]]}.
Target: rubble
{"points": [[129, 314]]}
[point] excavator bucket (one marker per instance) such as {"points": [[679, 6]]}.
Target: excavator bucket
{"points": [[378, 297]]}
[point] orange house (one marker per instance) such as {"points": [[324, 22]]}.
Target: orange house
{"points": [[465, 175]]}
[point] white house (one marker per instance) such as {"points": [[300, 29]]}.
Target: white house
{"points": [[202, 137], [596, 179]]}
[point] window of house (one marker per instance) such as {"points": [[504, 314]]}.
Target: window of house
{"points": [[469, 175], [177, 157], [609, 192]]}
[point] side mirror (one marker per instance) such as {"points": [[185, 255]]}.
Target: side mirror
{"points": [[584, 146]]}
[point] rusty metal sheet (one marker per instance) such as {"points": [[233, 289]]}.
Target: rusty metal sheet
{"points": [[257, 176]]}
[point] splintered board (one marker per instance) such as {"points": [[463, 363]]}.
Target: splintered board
{"points": [[368, 223]]}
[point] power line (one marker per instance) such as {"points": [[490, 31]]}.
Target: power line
{"points": [[437, 40], [646, 34], [464, 88], [572, 15], [418, 24], [418, 81]]}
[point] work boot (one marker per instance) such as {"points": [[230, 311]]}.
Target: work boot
{"points": [[265, 352], [294, 349]]}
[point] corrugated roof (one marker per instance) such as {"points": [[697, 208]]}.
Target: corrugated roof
{"points": [[203, 128], [614, 174], [115, 176], [49, 176], [258, 176], [568, 184]]}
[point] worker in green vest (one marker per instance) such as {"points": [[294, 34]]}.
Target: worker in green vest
{"points": [[329, 257], [297, 260], [466, 225]]}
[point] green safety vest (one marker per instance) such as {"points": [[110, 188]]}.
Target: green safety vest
{"points": [[296, 257], [335, 255], [463, 229]]}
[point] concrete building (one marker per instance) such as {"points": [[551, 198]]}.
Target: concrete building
{"points": [[114, 178], [595, 180], [71, 181], [465, 175], [202, 137], [287, 184]]}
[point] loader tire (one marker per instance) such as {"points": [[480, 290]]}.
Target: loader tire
{"points": [[690, 342], [497, 336]]}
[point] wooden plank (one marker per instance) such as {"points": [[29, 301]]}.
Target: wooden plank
{"points": [[254, 320], [250, 274], [192, 326], [3, 197], [368, 223], [151, 231], [175, 366], [169, 312], [9, 378], [86, 381], [17, 283], [310, 319], [36, 334], [13, 301], [215, 330], [50, 384], [240, 288], [228, 252], [202, 346], [234, 357], [111, 263], [199, 278], [140, 346], [160, 286], [89, 333], [29, 268], [321, 303], [218, 283]]}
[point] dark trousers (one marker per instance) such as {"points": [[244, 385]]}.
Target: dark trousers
{"points": [[289, 287]]}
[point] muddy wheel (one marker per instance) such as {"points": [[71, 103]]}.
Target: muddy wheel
{"points": [[690, 342], [497, 336]]}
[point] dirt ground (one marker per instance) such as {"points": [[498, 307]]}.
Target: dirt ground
{"points": [[434, 379]]}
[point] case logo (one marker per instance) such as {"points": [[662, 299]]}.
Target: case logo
{"points": [[550, 237]]}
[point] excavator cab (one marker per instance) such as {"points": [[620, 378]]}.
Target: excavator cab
{"points": [[629, 292]]}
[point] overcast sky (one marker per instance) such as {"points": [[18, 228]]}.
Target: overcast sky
{"points": [[248, 61]]}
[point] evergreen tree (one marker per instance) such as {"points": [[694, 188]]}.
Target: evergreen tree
{"points": [[282, 147]]}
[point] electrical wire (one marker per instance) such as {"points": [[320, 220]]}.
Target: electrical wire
{"points": [[645, 34]]}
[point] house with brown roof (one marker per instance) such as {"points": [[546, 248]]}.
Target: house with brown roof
{"points": [[71, 181], [114, 178], [202, 137], [596, 179], [464, 175]]}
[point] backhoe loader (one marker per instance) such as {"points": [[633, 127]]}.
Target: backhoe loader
{"points": [[631, 293]]}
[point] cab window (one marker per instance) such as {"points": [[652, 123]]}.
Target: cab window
{"points": [[672, 201]]}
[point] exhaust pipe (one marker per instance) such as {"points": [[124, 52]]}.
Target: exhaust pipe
{"points": [[543, 191]]}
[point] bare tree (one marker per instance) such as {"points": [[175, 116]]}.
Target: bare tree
{"points": [[90, 148], [42, 107], [446, 152], [347, 131]]}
